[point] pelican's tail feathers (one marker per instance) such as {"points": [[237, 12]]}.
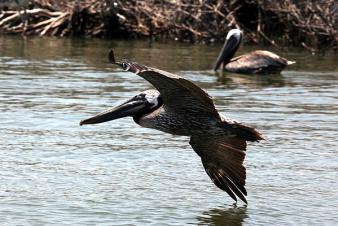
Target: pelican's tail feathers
{"points": [[245, 132]]}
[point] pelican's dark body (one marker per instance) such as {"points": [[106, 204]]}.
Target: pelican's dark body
{"points": [[192, 124], [180, 107], [255, 62], [179, 124]]}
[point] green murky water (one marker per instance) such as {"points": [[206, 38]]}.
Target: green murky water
{"points": [[54, 172]]}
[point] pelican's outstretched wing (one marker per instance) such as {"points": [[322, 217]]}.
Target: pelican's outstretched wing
{"points": [[177, 93], [222, 159]]}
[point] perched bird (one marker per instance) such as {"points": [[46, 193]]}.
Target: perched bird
{"points": [[255, 62], [180, 107]]}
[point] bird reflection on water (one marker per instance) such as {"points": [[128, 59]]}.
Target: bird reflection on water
{"points": [[255, 81], [233, 216]]}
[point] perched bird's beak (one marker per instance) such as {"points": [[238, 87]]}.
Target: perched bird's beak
{"points": [[130, 108], [228, 50]]}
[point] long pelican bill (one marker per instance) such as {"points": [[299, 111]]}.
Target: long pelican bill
{"points": [[129, 108]]}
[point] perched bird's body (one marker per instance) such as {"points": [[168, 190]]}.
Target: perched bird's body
{"points": [[255, 62], [180, 107]]}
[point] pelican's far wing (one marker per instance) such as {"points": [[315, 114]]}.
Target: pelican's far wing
{"points": [[177, 93], [222, 158]]}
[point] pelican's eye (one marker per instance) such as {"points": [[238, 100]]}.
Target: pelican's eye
{"points": [[151, 100]]}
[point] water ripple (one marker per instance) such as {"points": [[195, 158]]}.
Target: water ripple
{"points": [[53, 171]]}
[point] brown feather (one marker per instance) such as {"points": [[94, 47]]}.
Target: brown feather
{"points": [[246, 132], [220, 183], [177, 92], [257, 62], [222, 158]]}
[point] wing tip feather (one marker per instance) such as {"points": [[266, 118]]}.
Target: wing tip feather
{"points": [[126, 65], [222, 181]]}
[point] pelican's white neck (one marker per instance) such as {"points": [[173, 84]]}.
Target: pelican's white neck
{"points": [[152, 96]]}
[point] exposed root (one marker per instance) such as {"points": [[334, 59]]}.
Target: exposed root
{"points": [[278, 22]]}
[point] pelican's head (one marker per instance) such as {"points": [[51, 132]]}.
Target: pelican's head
{"points": [[143, 103], [229, 49], [234, 33]]}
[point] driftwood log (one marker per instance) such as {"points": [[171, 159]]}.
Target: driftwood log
{"points": [[311, 24]]}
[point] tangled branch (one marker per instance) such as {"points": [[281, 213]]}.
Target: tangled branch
{"points": [[298, 22]]}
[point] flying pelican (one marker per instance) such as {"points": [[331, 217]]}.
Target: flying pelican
{"points": [[255, 62], [180, 107]]}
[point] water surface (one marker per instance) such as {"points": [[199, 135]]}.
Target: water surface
{"points": [[54, 172]]}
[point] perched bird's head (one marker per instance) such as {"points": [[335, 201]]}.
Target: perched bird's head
{"points": [[231, 44]]}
